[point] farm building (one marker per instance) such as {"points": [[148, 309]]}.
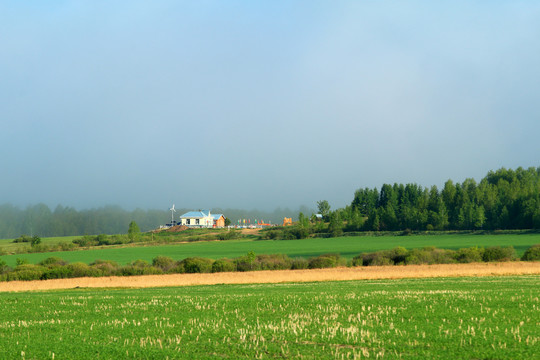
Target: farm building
{"points": [[202, 219], [219, 220]]}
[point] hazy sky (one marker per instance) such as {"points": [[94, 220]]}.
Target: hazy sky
{"points": [[260, 104]]}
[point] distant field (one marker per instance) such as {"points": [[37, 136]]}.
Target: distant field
{"points": [[346, 246], [9, 246], [450, 318]]}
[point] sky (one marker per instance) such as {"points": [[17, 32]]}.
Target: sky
{"points": [[260, 104]]}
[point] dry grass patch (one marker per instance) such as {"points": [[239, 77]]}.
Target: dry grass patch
{"points": [[281, 276]]}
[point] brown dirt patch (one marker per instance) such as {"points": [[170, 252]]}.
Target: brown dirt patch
{"points": [[251, 231], [177, 228], [281, 276]]}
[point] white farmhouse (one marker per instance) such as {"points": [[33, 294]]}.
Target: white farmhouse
{"points": [[197, 219]]}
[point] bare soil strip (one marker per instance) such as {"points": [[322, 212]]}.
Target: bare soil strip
{"points": [[282, 276]]}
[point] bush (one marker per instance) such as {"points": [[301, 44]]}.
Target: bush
{"points": [[23, 239], [4, 268], [65, 246], [379, 258], [443, 256], [228, 235], [532, 253], [53, 261], [299, 263], [246, 263], [297, 233], [86, 241], [273, 262], [164, 263], [26, 272], [197, 265], [497, 253], [139, 267], [38, 248], [430, 255], [107, 267], [58, 272], [326, 261], [223, 265], [36, 240], [80, 269], [469, 255], [397, 255]]}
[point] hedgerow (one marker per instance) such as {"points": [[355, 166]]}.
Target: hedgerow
{"points": [[57, 268]]}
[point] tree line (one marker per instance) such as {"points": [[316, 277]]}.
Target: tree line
{"points": [[503, 199], [40, 220]]}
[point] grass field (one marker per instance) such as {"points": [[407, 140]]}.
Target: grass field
{"points": [[450, 318], [348, 247], [8, 246]]}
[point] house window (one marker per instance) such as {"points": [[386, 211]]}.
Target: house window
{"points": [[196, 221], [187, 221]]}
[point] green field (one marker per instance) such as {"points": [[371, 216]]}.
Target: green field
{"points": [[452, 318], [8, 246], [348, 247]]}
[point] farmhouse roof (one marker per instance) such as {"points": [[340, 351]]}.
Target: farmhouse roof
{"points": [[196, 214], [217, 216]]}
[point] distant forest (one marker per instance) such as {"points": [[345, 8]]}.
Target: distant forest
{"points": [[40, 220], [504, 199]]}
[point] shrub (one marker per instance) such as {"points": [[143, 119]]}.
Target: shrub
{"points": [[23, 239], [498, 253], [273, 262], [38, 248], [272, 235], [228, 235], [4, 268], [107, 267], [26, 272], [103, 239], [80, 269], [197, 265], [58, 272], [164, 263], [86, 241], [299, 263], [532, 253], [469, 255], [430, 255], [246, 263], [65, 246], [397, 255], [379, 258], [326, 261], [297, 233], [53, 261], [223, 265], [36, 240], [443, 256], [140, 267], [20, 261]]}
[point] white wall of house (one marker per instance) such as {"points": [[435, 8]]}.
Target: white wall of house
{"points": [[204, 221]]}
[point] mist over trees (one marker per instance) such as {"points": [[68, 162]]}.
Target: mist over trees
{"points": [[504, 199], [64, 221]]}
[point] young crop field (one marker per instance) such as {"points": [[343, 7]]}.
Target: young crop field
{"points": [[8, 246], [450, 318], [348, 247]]}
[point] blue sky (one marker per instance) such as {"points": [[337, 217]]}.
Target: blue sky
{"points": [[245, 104]]}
